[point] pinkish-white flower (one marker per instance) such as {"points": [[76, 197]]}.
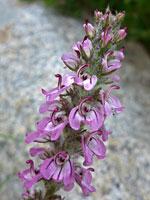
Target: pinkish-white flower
{"points": [[92, 145], [85, 47], [121, 34], [70, 59], [106, 36], [63, 84], [83, 79], [29, 176], [84, 179], [110, 102], [89, 29], [60, 168], [87, 114], [111, 61]]}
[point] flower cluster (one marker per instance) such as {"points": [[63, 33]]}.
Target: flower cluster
{"points": [[76, 111]]}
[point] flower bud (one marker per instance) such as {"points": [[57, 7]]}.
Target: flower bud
{"points": [[70, 59], [107, 17], [89, 29], [121, 34], [107, 37], [120, 16], [86, 48], [98, 15]]}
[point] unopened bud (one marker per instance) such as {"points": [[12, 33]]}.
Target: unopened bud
{"points": [[107, 17], [121, 34], [89, 30], [98, 15], [86, 48], [120, 16]]}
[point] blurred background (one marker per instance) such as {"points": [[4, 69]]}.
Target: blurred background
{"points": [[137, 13], [33, 36]]}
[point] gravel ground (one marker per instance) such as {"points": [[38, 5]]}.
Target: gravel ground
{"points": [[32, 40]]}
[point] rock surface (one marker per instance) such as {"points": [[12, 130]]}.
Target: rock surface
{"points": [[32, 40]]}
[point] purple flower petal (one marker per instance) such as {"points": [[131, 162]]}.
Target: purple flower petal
{"points": [[29, 176], [98, 119], [86, 182], [89, 29], [78, 81], [68, 172], [118, 55], [84, 179], [37, 151], [54, 93], [31, 137], [75, 118], [69, 187], [50, 106], [48, 168], [87, 47], [56, 131], [107, 108], [115, 104], [70, 59], [28, 184], [105, 133], [58, 175], [97, 147], [88, 155], [44, 107], [43, 124], [90, 83], [68, 79]]}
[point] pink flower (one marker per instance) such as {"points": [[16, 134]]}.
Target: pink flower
{"points": [[76, 48], [107, 17], [50, 106], [107, 37], [60, 168], [87, 114], [51, 126], [70, 59], [110, 102], [29, 176], [121, 34], [85, 48], [38, 151], [92, 145], [35, 136], [98, 15], [118, 54], [114, 63], [83, 79], [89, 29], [63, 84], [84, 179], [120, 16]]}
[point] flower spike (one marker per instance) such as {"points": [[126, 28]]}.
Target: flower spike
{"points": [[76, 111]]}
